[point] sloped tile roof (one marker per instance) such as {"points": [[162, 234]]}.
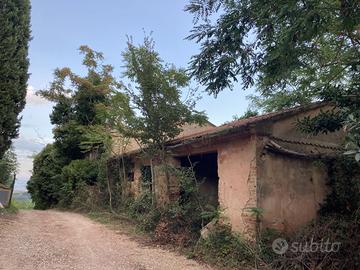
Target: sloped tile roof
{"points": [[251, 121], [211, 130]]}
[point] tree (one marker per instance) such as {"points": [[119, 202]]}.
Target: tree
{"points": [[77, 99], [157, 97], [8, 167], [99, 142], [294, 52], [157, 100], [83, 118], [45, 183], [14, 63], [282, 45]]}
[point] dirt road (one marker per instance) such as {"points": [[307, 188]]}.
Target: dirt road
{"points": [[48, 240]]}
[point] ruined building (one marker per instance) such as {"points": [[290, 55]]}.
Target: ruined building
{"points": [[261, 162]]}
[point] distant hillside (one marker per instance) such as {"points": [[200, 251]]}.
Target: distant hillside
{"points": [[21, 196]]}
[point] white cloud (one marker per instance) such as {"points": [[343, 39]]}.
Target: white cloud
{"points": [[33, 99], [30, 144], [26, 146]]}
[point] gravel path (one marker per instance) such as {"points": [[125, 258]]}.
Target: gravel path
{"points": [[48, 240]]}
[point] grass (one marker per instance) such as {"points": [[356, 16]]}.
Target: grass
{"points": [[17, 205], [8, 210], [23, 204], [119, 223]]}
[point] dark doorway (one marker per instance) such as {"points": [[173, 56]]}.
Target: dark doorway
{"points": [[205, 167]]}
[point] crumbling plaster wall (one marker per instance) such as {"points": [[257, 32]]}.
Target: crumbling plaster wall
{"points": [[237, 183], [290, 190], [163, 193], [166, 184], [135, 186]]}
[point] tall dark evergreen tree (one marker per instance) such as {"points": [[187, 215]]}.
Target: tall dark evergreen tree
{"points": [[14, 63]]}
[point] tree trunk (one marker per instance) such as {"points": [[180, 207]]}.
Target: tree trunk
{"points": [[153, 185], [109, 188]]}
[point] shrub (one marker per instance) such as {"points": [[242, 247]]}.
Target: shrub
{"points": [[75, 177], [182, 220], [144, 211], [87, 198], [335, 228], [179, 222], [224, 248], [45, 182], [344, 182]]}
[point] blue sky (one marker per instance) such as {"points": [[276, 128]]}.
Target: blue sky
{"points": [[60, 27]]}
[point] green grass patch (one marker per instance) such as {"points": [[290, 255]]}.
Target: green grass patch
{"points": [[23, 204], [9, 210]]}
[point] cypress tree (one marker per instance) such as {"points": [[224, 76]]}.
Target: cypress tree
{"points": [[14, 64]]}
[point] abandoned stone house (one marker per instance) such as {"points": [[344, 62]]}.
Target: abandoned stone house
{"points": [[260, 162]]}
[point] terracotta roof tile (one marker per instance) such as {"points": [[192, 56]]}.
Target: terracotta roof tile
{"points": [[252, 120]]}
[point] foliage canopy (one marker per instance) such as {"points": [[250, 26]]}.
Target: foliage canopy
{"points": [[293, 52], [157, 96]]}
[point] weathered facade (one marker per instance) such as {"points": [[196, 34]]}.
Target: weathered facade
{"points": [[262, 162]]}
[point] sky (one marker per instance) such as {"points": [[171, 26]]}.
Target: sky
{"points": [[60, 27]]}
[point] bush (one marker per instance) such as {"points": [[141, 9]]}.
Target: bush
{"points": [[224, 248], [335, 228], [179, 222], [144, 211], [45, 182], [87, 198], [344, 182], [140, 206], [75, 177], [182, 220], [8, 210]]}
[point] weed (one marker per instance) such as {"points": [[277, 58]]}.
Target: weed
{"points": [[8, 210], [224, 248]]}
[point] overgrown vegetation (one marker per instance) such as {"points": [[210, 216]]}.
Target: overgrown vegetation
{"points": [[225, 249], [61, 170], [178, 222], [88, 109], [8, 210], [342, 231], [344, 183], [45, 182]]}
